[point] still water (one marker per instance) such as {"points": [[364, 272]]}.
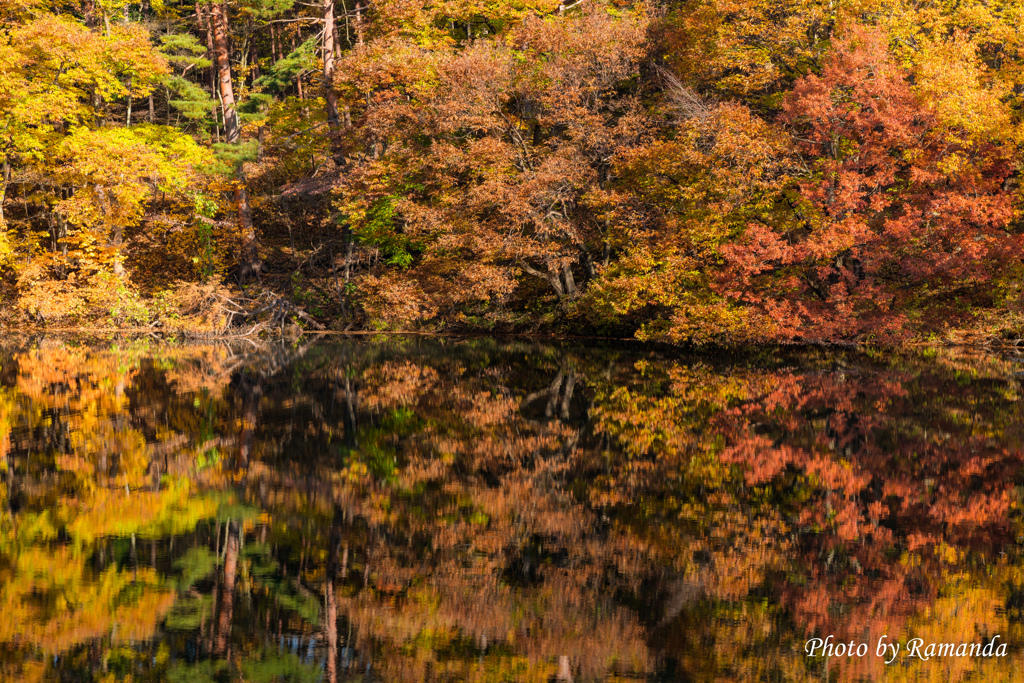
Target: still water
{"points": [[482, 510]]}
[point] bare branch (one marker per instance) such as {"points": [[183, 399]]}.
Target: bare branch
{"points": [[686, 103]]}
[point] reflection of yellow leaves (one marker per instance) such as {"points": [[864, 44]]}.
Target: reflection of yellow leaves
{"points": [[51, 597], [53, 601], [29, 672], [947, 553], [357, 471], [146, 513]]}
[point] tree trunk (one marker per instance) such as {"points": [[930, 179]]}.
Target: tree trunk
{"points": [[570, 283], [555, 278], [244, 52], [562, 281], [359, 22], [152, 111], [5, 178], [249, 262], [89, 11], [204, 23], [254, 59], [330, 96], [118, 242], [349, 245], [219, 19], [249, 258]]}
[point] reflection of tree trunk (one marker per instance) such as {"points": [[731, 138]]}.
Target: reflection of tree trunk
{"points": [[227, 595], [332, 634], [337, 563], [350, 413], [251, 391], [135, 561], [556, 392], [564, 672], [570, 384], [5, 449], [553, 391]]}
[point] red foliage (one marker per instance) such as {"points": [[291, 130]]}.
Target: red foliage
{"points": [[898, 208]]}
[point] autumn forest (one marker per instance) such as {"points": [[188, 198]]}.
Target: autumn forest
{"points": [[709, 323], [690, 172]]}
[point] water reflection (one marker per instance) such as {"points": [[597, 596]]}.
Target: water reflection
{"points": [[410, 510]]}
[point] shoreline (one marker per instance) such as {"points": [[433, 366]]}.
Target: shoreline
{"points": [[262, 336]]}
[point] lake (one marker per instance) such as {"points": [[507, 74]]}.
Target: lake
{"points": [[424, 509]]}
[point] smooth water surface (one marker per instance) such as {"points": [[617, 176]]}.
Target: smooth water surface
{"points": [[439, 510]]}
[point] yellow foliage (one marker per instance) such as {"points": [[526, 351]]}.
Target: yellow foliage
{"points": [[958, 86]]}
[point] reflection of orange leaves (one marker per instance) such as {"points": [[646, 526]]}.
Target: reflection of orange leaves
{"points": [[984, 508], [764, 460], [5, 445], [844, 448], [539, 625], [916, 541], [396, 384]]}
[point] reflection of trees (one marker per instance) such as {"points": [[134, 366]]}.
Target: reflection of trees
{"points": [[638, 477], [478, 511], [85, 440], [863, 488]]}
